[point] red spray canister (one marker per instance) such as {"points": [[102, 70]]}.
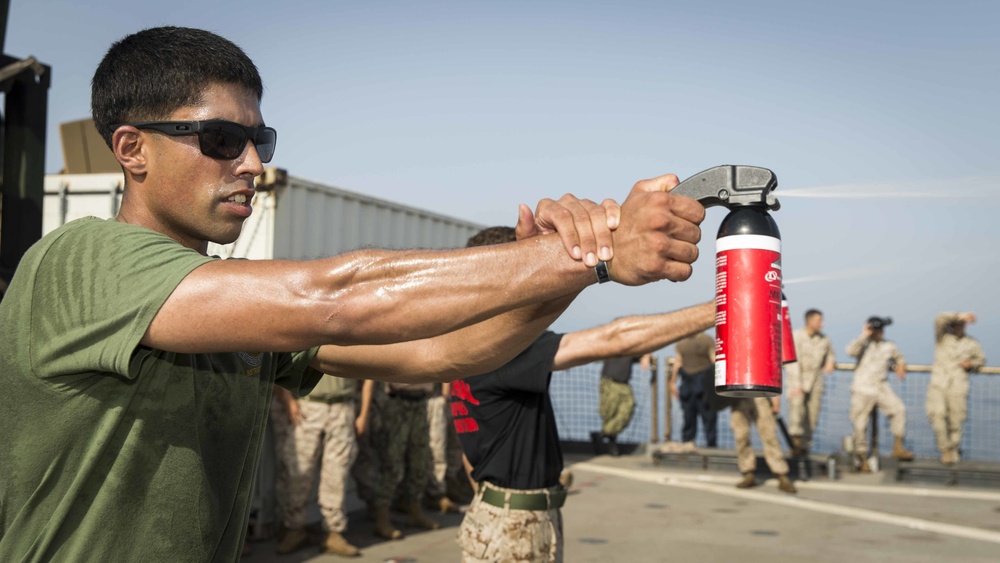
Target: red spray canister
{"points": [[787, 342], [748, 318]]}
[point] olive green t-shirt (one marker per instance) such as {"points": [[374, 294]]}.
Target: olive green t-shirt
{"points": [[109, 450]]}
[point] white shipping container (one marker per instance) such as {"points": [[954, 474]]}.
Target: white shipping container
{"points": [[292, 218]]}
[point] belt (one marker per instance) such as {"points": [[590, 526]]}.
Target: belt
{"points": [[555, 498], [412, 397], [330, 400]]}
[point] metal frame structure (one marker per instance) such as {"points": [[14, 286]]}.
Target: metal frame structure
{"points": [[25, 87]]}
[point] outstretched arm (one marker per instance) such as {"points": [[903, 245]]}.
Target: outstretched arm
{"points": [[472, 350], [632, 336], [381, 297]]}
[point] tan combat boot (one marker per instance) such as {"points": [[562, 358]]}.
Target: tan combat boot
{"points": [[748, 481], [901, 453], [291, 541], [785, 484], [336, 544], [383, 525], [417, 519], [863, 464]]}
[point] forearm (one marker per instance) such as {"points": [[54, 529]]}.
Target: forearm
{"points": [[675, 371], [633, 336], [854, 348], [977, 359], [472, 350], [422, 295], [371, 296], [367, 388], [830, 359], [468, 471], [640, 334], [900, 362]]}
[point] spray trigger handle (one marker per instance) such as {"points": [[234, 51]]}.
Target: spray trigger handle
{"points": [[730, 186]]}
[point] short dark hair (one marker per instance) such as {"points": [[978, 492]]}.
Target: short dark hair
{"points": [[492, 235], [812, 313], [148, 75]]}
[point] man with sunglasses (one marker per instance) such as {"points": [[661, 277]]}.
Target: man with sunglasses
{"points": [[138, 371]]}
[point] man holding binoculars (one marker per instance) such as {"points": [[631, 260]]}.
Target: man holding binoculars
{"points": [[875, 357]]}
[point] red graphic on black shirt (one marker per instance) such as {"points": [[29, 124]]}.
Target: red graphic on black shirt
{"points": [[463, 422], [467, 424], [461, 390]]}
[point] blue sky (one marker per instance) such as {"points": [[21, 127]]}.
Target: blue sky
{"points": [[469, 108]]}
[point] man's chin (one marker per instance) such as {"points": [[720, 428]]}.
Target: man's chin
{"points": [[228, 236]]}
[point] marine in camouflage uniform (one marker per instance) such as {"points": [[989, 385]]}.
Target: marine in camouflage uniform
{"points": [[805, 381], [870, 388], [760, 410], [402, 442], [956, 354], [326, 416]]}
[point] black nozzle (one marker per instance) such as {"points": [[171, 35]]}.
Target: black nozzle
{"points": [[731, 185]]}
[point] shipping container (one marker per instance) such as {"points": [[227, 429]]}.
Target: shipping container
{"points": [[292, 218]]}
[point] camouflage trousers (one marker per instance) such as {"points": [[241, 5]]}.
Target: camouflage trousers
{"points": [[803, 411], [861, 409], [616, 406], [298, 451], [403, 452], [490, 534], [947, 409], [368, 464], [749, 411]]}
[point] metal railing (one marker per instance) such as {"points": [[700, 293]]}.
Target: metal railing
{"points": [[575, 398]]}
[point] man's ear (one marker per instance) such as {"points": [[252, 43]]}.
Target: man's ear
{"points": [[128, 145]]}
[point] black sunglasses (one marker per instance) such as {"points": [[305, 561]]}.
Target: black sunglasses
{"points": [[218, 138]]}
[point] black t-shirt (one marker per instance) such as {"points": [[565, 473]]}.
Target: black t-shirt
{"points": [[505, 421], [618, 369]]}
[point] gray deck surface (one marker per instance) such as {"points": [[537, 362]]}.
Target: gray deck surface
{"points": [[627, 509]]}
